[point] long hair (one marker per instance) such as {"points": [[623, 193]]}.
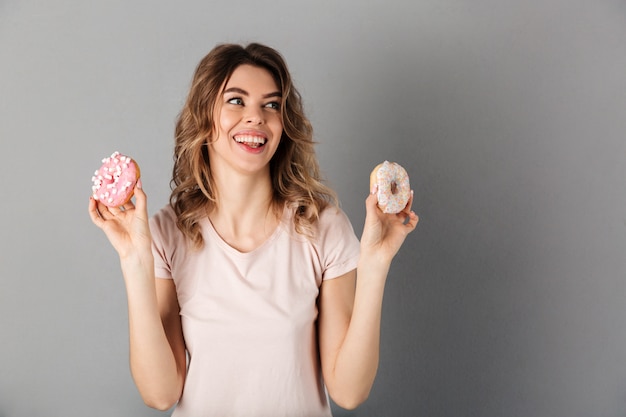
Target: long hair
{"points": [[294, 168]]}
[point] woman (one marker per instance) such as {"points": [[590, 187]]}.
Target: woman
{"points": [[242, 292]]}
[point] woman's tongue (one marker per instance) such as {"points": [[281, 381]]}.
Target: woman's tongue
{"points": [[252, 144]]}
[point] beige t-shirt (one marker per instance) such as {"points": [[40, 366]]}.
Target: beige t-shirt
{"points": [[249, 318]]}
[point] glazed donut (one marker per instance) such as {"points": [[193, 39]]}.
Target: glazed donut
{"points": [[393, 186], [114, 183]]}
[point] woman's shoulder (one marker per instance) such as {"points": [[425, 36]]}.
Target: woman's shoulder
{"points": [[327, 216], [336, 242], [165, 215], [332, 223], [163, 225], [332, 215]]}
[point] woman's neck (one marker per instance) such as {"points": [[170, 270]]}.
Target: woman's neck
{"points": [[244, 214]]}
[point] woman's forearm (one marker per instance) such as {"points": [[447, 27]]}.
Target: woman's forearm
{"points": [[357, 360], [152, 361]]}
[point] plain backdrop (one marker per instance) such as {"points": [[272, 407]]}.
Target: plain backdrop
{"points": [[507, 300]]}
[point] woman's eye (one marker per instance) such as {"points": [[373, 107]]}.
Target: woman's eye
{"points": [[235, 100], [273, 105]]}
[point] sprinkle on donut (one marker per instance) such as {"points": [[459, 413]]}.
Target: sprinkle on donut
{"points": [[114, 182], [394, 189]]}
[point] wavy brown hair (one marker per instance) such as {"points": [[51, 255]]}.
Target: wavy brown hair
{"points": [[294, 168]]}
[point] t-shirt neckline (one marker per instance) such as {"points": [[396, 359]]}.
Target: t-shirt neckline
{"points": [[235, 252]]}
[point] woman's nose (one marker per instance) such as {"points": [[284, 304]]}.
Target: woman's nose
{"points": [[254, 115]]}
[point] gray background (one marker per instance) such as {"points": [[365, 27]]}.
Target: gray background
{"points": [[508, 300]]}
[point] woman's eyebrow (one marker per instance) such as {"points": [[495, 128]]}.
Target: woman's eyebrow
{"points": [[245, 93], [274, 94]]}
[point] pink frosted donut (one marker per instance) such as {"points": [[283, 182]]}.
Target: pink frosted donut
{"points": [[114, 183], [393, 186]]}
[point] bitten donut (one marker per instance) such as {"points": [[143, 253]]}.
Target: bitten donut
{"points": [[394, 190], [114, 183]]}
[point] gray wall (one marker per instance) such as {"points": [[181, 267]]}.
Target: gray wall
{"points": [[508, 300]]}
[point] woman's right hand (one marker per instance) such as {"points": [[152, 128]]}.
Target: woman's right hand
{"points": [[126, 227]]}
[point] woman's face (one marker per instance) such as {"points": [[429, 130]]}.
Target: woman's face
{"points": [[248, 121]]}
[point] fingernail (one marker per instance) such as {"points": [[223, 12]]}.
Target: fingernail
{"points": [[139, 183], [374, 189]]}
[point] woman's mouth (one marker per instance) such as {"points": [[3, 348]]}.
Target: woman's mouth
{"points": [[251, 141]]}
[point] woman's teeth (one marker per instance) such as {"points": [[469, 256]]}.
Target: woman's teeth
{"points": [[251, 141]]}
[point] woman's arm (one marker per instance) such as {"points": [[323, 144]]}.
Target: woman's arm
{"points": [[157, 352], [350, 308], [157, 348]]}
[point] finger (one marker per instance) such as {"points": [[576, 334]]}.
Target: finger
{"points": [[409, 204], [411, 222], [372, 198], [106, 212], [94, 214], [114, 211], [101, 212], [372, 210], [405, 214], [141, 199], [128, 206]]}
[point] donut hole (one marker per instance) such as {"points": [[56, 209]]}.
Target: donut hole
{"points": [[394, 187]]}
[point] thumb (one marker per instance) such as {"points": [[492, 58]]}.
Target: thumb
{"points": [[371, 202], [141, 200]]}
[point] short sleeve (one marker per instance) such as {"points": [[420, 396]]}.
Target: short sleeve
{"points": [[338, 244], [161, 228]]}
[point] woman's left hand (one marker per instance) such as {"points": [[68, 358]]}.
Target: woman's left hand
{"points": [[383, 234]]}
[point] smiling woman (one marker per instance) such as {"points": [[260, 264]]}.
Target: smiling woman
{"points": [[243, 289], [249, 123]]}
